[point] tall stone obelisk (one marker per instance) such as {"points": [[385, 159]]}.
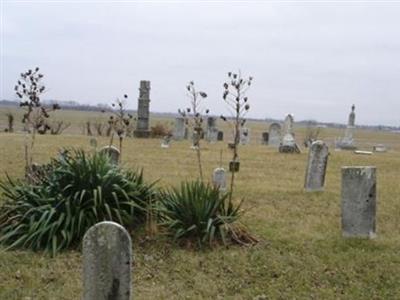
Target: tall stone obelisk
{"points": [[143, 112]]}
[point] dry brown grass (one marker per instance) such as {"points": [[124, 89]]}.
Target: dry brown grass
{"points": [[301, 254]]}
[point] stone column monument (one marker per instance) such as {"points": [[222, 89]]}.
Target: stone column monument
{"points": [[143, 112]]}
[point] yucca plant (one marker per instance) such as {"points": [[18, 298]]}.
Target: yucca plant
{"points": [[198, 212], [76, 192]]}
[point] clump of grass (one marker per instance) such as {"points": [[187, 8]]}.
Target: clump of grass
{"points": [[199, 213], [75, 192]]}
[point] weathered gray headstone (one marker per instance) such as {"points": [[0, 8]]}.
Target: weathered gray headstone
{"points": [[166, 141], [107, 259], [264, 138], [274, 135], [288, 124], [288, 143], [347, 142], [143, 112], [212, 130], [112, 152], [358, 201], [220, 136], [179, 132], [219, 179], [316, 167], [244, 136], [380, 148]]}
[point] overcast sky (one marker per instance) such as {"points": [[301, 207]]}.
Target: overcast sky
{"points": [[307, 58]]}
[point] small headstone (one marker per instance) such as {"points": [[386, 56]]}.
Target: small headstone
{"points": [[219, 179], [265, 138], [180, 128], [380, 148], [107, 259], [112, 152], [244, 136], [166, 141], [358, 201], [93, 142], [316, 167], [220, 136], [274, 138]]}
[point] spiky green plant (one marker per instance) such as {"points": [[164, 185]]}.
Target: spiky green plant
{"points": [[76, 191], [199, 212]]}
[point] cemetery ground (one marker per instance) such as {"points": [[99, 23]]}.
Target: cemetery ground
{"points": [[301, 254]]}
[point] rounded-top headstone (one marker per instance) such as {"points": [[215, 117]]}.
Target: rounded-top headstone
{"points": [[107, 255], [112, 152]]}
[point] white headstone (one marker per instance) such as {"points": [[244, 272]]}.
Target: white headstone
{"points": [[219, 179]]}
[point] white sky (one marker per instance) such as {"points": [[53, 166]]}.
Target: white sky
{"points": [[308, 58]]}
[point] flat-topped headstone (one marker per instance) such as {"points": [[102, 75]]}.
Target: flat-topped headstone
{"points": [[358, 201], [220, 136], [316, 167], [212, 130], [107, 259], [112, 152], [274, 138], [379, 148], [264, 138], [219, 179], [180, 128]]}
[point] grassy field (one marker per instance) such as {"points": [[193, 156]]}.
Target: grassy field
{"points": [[301, 254]]}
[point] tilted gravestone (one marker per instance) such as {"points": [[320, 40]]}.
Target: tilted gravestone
{"points": [[219, 179], [107, 259], [358, 201], [112, 152], [274, 138], [180, 128], [143, 112], [316, 167]]}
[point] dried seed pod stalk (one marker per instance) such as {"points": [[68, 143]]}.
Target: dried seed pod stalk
{"points": [[194, 118], [234, 96]]}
